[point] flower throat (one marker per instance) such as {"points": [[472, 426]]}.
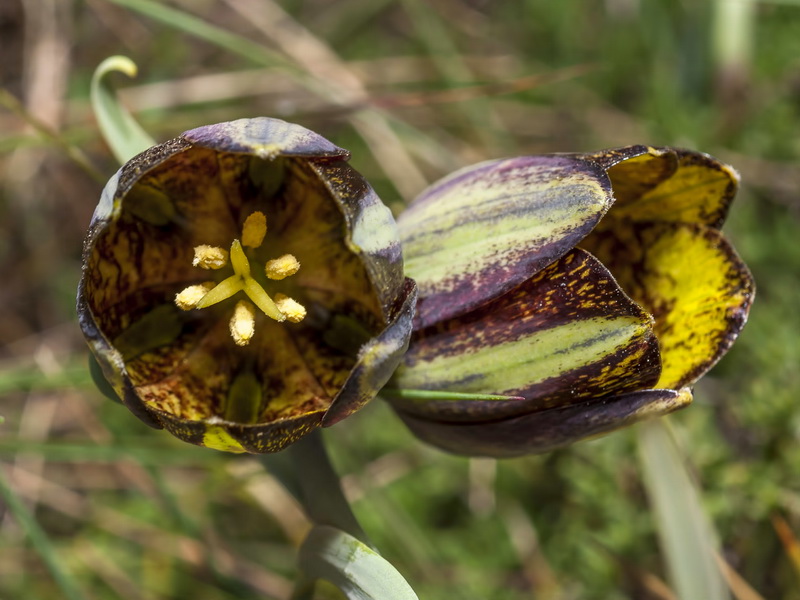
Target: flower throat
{"points": [[242, 323]]}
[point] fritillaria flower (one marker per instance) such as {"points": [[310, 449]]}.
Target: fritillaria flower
{"points": [[242, 286], [587, 292]]}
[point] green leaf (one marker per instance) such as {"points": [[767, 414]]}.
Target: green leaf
{"points": [[352, 566], [683, 528], [121, 131]]}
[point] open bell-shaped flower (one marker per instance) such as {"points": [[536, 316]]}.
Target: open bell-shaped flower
{"points": [[242, 285], [587, 291]]}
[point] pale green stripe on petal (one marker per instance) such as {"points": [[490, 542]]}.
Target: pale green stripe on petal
{"points": [[217, 438], [374, 229], [526, 362], [566, 335], [485, 229], [464, 247]]}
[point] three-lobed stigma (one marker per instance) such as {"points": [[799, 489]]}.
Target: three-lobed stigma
{"points": [[242, 323]]}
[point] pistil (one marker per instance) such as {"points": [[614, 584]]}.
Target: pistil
{"points": [[242, 324]]}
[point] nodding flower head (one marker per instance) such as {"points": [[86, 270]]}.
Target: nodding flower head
{"points": [[243, 285]]}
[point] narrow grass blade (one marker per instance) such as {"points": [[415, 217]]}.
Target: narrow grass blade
{"points": [[352, 566], [791, 544], [437, 38], [197, 27], [686, 535], [32, 378], [47, 133], [121, 131], [138, 446], [733, 35], [40, 541]]}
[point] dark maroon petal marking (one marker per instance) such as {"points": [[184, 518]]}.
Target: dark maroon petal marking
{"points": [[546, 430]]}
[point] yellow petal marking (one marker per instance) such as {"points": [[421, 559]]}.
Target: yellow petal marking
{"points": [[699, 191], [217, 438], [690, 279]]}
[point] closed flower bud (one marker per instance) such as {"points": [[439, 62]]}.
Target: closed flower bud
{"points": [[587, 291]]}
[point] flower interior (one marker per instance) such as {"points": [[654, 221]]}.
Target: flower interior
{"points": [[661, 241], [230, 287]]}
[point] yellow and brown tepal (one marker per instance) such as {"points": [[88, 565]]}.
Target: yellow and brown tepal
{"points": [[590, 290], [242, 285]]}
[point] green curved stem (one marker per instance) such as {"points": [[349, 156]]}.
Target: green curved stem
{"points": [[306, 471], [337, 549]]}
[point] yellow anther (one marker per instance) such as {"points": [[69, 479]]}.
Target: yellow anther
{"points": [[283, 267], [188, 298], [243, 323], [210, 257], [294, 311], [254, 229]]}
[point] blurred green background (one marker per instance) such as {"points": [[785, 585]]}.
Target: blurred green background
{"points": [[415, 89]]}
